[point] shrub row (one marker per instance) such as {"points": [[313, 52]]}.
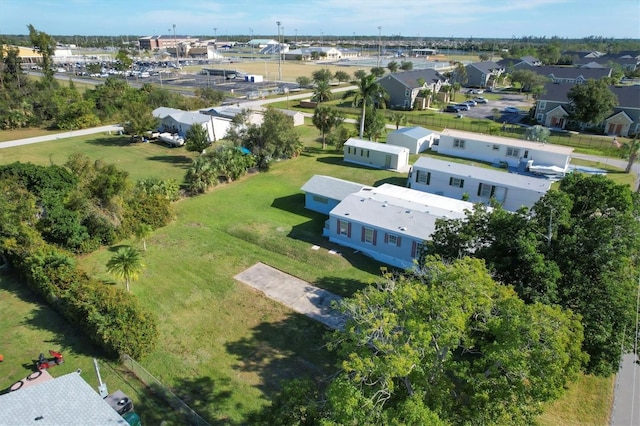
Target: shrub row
{"points": [[111, 318]]}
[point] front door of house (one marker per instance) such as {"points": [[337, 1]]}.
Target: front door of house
{"points": [[614, 129]]}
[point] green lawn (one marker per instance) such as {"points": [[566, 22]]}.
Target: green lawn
{"points": [[223, 347]]}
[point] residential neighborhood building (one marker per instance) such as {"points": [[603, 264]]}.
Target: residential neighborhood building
{"points": [[497, 150], [571, 74], [376, 154], [323, 193], [553, 108], [179, 122], [404, 88], [483, 74], [317, 52], [519, 63], [415, 139], [476, 184], [390, 223]]}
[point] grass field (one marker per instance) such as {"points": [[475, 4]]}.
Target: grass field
{"points": [[224, 347]]}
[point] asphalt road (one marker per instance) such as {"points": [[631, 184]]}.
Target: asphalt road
{"points": [[626, 402]]}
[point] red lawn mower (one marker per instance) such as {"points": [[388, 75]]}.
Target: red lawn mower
{"points": [[44, 363]]}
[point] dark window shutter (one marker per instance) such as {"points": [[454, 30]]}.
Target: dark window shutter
{"points": [[493, 190], [338, 226], [349, 230], [417, 175], [398, 241], [428, 177], [450, 181], [375, 236], [362, 234], [479, 189], [461, 183], [414, 246], [386, 238]]}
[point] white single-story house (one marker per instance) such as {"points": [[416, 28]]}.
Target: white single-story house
{"points": [[323, 193], [375, 154], [296, 116], [390, 223], [497, 149], [476, 184], [416, 139], [179, 121], [254, 116]]}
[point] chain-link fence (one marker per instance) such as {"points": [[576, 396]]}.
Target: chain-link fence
{"points": [[190, 416]]}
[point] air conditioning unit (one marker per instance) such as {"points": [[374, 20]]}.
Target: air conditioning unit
{"points": [[120, 402]]}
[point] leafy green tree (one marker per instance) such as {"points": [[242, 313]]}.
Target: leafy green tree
{"points": [[406, 65], [200, 176], [322, 91], [210, 96], [340, 135], [197, 139], [368, 93], [456, 343], [140, 119], [342, 76], [528, 80], [123, 62], [398, 118], [484, 57], [303, 81], [460, 74], [455, 88], [45, 45], [377, 71], [392, 66], [375, 124], [591, 101], [537, 133], [326, 118], [142, 232], [275, 138], [126, 264], [322, 74], [359, 74]]}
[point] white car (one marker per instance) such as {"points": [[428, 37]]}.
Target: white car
{"points": [[481, 100], [511, 110]]}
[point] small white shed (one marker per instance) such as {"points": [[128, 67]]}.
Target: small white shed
{"points": [[416, 139], [375, 154]]}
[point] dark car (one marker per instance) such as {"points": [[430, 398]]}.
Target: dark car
{"points": [[463, 107], [451, 108]]}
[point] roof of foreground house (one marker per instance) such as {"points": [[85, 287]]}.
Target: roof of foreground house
{"points": [[501, 140], [330, 187], [375, 146], [416, 132]]}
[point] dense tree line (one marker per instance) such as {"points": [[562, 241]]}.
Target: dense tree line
{"points": [[50, 213]]}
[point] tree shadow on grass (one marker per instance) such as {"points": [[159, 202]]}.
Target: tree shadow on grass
{"points": [[178, 160], [282, 350], [111, 141]]}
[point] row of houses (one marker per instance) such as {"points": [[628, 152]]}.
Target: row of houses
{"points": [[390, 223]]}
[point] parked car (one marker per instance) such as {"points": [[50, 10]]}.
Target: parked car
{"points": [[511, 110], [463, 107], [481, 100], [470, 102], [451, 108]]}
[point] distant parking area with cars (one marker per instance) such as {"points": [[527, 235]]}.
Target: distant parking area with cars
{"points": [[512, 107]]}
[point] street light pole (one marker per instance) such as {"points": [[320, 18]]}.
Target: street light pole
{"points": [[175, 44], [379, 46], [279, 53], [250, 39], [215, 38]]}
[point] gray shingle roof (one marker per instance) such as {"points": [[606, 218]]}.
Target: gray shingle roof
{"points": [[572, 72], [410, 78], [486, 67], [67, 400]]}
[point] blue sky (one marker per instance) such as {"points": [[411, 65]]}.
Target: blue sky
{"points": [[414, 18]]}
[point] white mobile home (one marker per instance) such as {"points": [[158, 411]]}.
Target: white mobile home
{"points": [[476, 184], [497, 149], [390, 223], [416, 139], [375, 154], [179, 122], [323, 193]]}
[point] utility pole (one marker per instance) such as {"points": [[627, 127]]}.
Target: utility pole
{"points": [[279, 54], [379, 44], [175, 44]]}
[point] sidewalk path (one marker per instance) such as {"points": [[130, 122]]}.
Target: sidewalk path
{"points": [[626, 402], [295, 293], [64, 135]]}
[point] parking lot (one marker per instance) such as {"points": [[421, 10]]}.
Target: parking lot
{"points": [[505, 100]]}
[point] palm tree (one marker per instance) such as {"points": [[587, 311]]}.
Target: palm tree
{"points": [[126, 264], [143, 231], [325, 118], [322, 91], [632, 149], [398, 118], [368, 93]]}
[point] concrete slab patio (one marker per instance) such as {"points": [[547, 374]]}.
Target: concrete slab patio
{"points": [[293, 292]]}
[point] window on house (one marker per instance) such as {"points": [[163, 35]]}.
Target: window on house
{"points": [[343, 227], [367, 153], [485, 190], [458, 143], [423, 177], [513, 152], [369, 235], [496, 147], [348, 150], [392, 239], [540, 118], [319, 199], [456, 182], [542, 105], [361, 152]]}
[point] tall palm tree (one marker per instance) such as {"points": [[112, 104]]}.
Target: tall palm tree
{"points": [[143, 231], [368, 93], [632, 149], [126, 264], [322, 91]]}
